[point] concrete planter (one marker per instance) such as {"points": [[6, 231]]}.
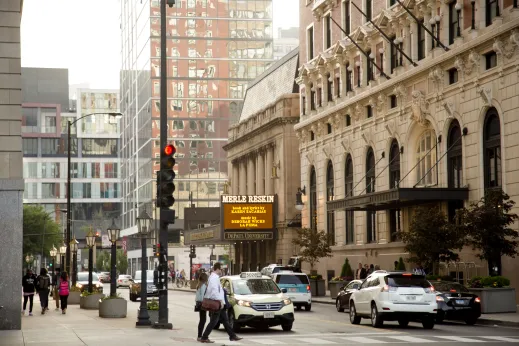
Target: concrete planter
{"points": [[113, 308], [335, 287], [73, 298], [318, 288], [154, 315], [496, 300], [90, 302]]}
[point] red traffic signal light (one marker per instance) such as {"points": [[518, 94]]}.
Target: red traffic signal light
{"points": [[170, 150]]}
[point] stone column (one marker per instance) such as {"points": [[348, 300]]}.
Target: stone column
{"points": [[343, 73], [407, 41], [251, 176], [243, 177], [269, 186], [235, 182], [428, 38], [324, 82], [260, 177], [308, 98], [413, 32]]}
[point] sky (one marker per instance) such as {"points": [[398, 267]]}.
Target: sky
{"points": [[83, 36]]}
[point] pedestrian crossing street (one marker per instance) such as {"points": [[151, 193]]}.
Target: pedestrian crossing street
{"points": [[345, 339]]}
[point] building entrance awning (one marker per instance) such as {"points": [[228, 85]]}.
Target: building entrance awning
{"points": [[398, 198]]}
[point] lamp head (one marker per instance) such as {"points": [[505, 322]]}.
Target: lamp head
{"points": [[144, 223], [458, 6], [90, 238], [63, 249], [113, 232], [381, 50]]}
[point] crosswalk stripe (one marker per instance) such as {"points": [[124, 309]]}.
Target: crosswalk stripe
{"points": [[459, 339], [267, 341], [410, 339], [499, 338], [316, 341], [363, 340]]}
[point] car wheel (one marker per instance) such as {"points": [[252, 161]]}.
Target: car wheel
{"points": [[298, 307], [376, 320], [471, 321], [439, 320], [354, 319], [217, 326], [403, 323], [232, 322], [308, 307], [287, 327], [338, 306], [428, 323]]}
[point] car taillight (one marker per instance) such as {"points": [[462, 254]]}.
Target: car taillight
{"points": [[308, 288], [429, 289], [439, 299], [388, 288], [477, 300]]}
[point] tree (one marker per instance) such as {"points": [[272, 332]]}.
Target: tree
{"points": [[346, 271], [487, 225], [122, 262], [313, 245], [431, 238], [40, 231], [104, 261], [401, 264]]}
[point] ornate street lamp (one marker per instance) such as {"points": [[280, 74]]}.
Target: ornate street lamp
{"points": [[113, 235], [299, 200], [53, 253], [62, 252], [29, 260], [143, 225], [73, 248], [90, 240]]}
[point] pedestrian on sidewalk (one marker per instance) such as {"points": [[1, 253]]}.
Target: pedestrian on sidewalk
{"points": [[55, 287], [29, 289], [215, 292], [43, 286], [201, 288], [64, 288]]}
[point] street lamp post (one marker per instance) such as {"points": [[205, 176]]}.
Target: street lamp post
{"points": [[53, 253], [62, 251], [143, 224], [73, 247], [29, 259], [90, 239], [69, 148], [113, 234]]}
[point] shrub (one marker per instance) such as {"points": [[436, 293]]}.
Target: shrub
{"points": [[153, 305], [316, 277], [346, 272], [401, 264], [489, 281]]}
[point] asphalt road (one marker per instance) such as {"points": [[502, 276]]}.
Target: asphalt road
{"points": [[325, 326]]}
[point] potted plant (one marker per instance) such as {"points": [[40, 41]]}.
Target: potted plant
{"points": [[313, 245], [74, 296], [153, 311], [113, 307], [90, 301], [495, 292], [338, 282]]}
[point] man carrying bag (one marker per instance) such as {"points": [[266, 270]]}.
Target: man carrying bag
{"points": [[214, 301]]}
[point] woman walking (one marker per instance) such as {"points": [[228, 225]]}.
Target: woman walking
{"points": [[43, 285], [201, 288], [63, 291], [29, 288]]}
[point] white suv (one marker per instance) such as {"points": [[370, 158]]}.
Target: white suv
{"points": [[397, 296]]}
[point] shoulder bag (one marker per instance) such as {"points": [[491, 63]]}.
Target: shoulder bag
{"points": [[211, 305], [198, 305]]}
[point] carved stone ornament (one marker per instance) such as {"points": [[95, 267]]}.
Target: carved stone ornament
{"points": [[367, 135], [401, 94], [514, 40], [449, 108], [327, 151], [391, 128], [381, 102], [336, 121], [320, 127], [497, 46], [419, 107], [310, 157], [346, 144], [473, 62], [313, 129], [357, 113], [486, 95], [436, 75], [459, 64]]}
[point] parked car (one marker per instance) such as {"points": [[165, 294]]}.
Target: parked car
{"points": [[82, 281], [455, 302], [124, 280], [343, 297], [135, 286], [394, 296], [297, 286], [104, 277]]}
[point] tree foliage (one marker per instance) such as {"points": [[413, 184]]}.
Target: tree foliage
{"points": [[313, 245], [40, 231], [487, 225], [346, 271], [431, 238], [104, 261]]}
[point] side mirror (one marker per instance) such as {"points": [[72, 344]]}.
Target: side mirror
{"points": [[284, 290]]}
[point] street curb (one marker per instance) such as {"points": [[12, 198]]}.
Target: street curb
{"points": [[331, 302], [501, 323]]}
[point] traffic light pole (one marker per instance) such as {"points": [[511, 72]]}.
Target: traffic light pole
{"points": [[163, 230]]}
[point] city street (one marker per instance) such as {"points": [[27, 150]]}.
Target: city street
{"points": [[322, 326]]}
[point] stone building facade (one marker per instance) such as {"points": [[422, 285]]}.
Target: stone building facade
{"points": [[436, 122], [263, 158]]}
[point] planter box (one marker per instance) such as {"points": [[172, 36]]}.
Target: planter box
{"points": [[318, 288], [90, 302], [73, 298], [496, 300], [335, 287], [113, 308]]}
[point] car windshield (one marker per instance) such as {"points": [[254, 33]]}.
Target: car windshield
{"points": [[149, 275], [407, 281], [84, 277], [292, 279], [449, 287], [255, 286]]}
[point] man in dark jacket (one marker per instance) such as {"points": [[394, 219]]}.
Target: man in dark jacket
{"points": [[43, 286], [29, 288]]}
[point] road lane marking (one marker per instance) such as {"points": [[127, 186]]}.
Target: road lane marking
{"points": [[363, 340], [316, 341], [458, 338], [499, 338], [410, 339], [266, 341]]}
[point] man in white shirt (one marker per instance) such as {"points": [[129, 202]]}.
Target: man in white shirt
{"points": [[215, 292]]}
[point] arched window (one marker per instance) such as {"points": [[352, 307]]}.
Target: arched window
{"points": [[394, 165], [492, 145], [348, 192], [426, 159], [371, 235], [454, 156], [329, 197], [313, 199]]}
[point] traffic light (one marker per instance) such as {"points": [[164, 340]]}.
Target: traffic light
{"points": [[192, 251], [165, 176], [156, 250]]}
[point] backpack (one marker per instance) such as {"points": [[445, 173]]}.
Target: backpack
{"points": [[63, 288], [43, 283]]}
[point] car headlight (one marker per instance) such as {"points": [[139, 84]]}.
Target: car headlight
{"points": [[287, 301], [439, 299], [244, 303], [78, 285]]}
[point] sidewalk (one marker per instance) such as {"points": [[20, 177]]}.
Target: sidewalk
{"points": [[504, 319]]}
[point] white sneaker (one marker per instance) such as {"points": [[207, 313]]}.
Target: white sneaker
{"points": [[23, 312]]}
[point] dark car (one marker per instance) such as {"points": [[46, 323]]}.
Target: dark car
{"points": [[343, 297], [455, 302]]}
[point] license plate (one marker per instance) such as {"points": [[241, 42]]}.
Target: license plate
{"points": [[461, 302], [292, 290], [411, 297], [268, 315]]}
